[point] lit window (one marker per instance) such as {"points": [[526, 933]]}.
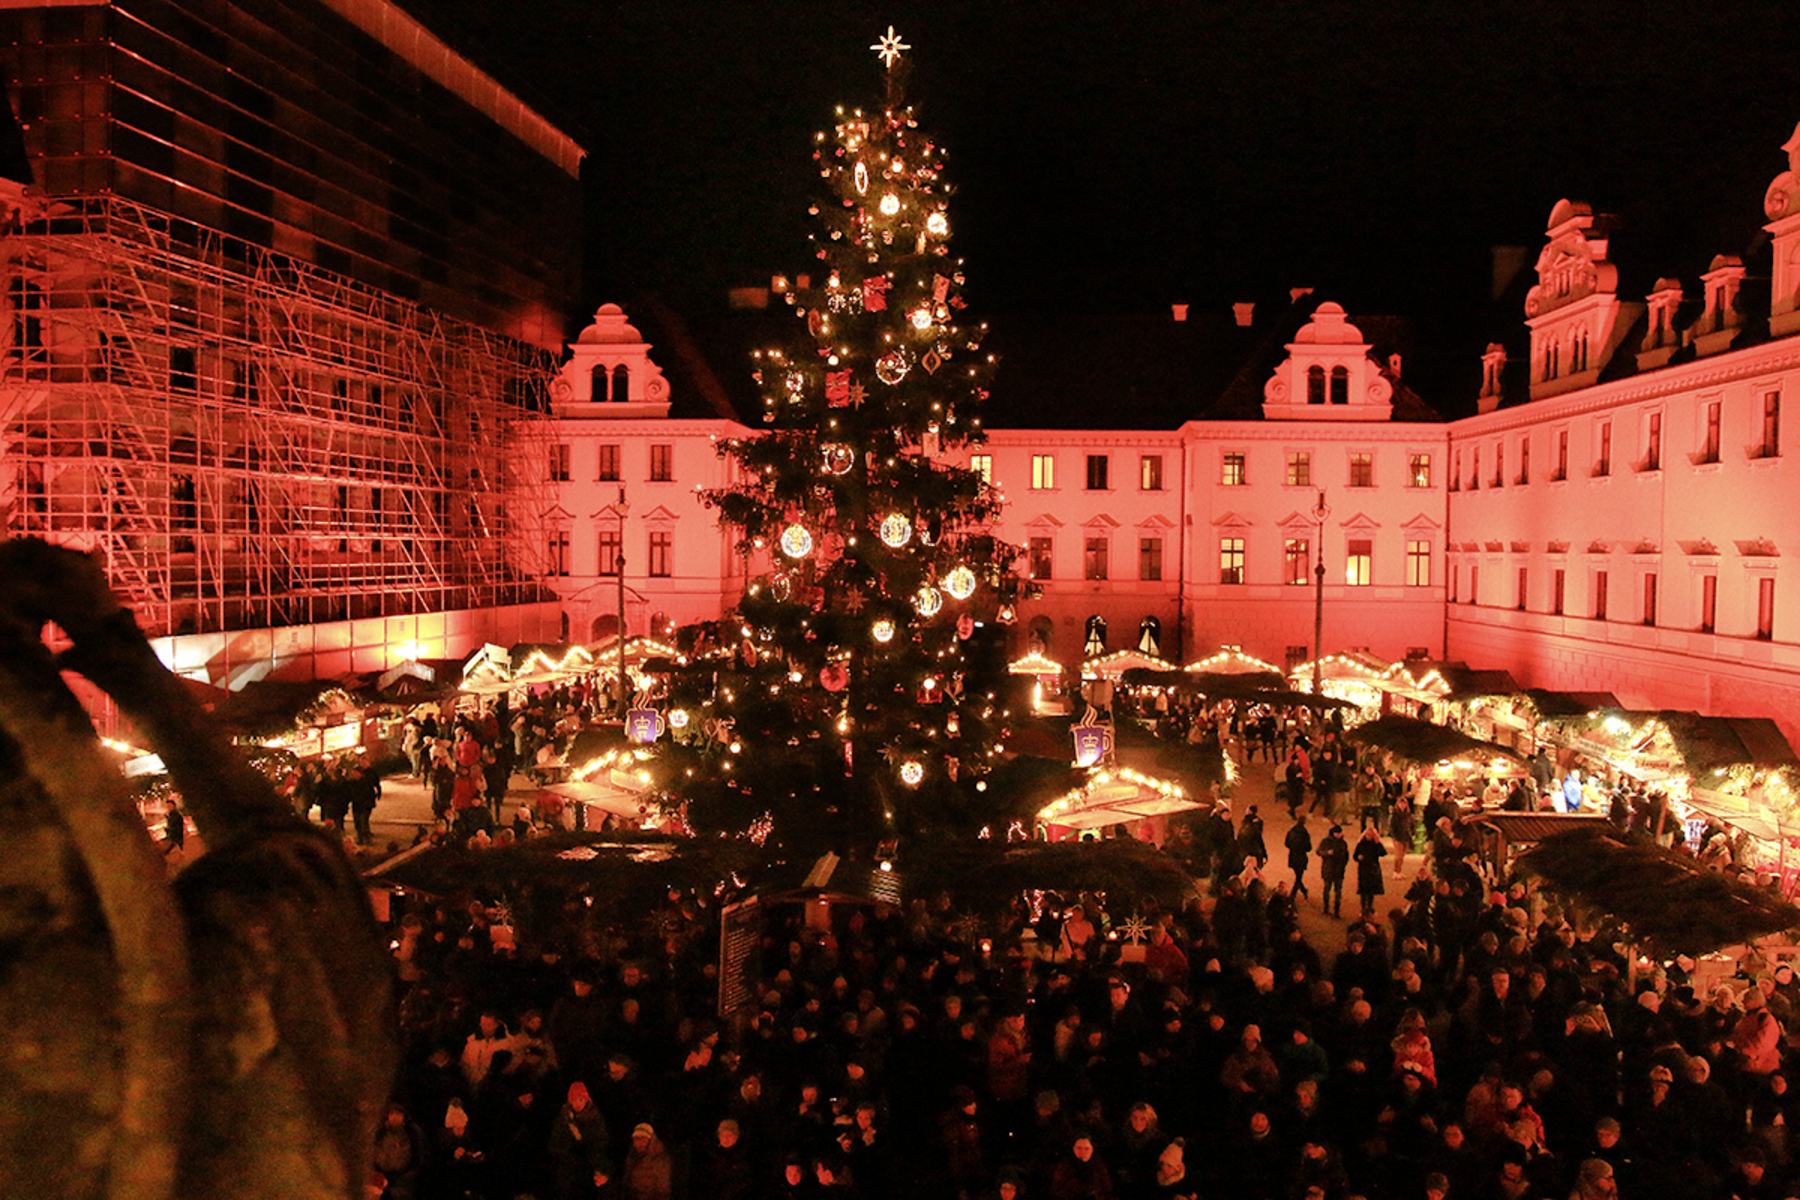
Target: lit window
{"points": [[1299, 468], [1150, 558], [1419, 471], [1297, 559], [1362, 470], [1231, 469], [1039, 548], [1150, 475], [1093, 565], [982, 465], [1356, 561], [661, 542], [1231, 560], [1418, 563], [1043, 471], [662, 462], [1096, 472]]}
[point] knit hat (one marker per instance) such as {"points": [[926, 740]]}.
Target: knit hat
{"points": [[645, 1129]]}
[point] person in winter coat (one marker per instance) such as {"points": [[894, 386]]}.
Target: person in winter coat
{"points": [[1368, 854], [1334, 858], [1250, 839], [578, 1140], [1081, 1176], [1757, 1036], [647, 1174], [1299, 845]]}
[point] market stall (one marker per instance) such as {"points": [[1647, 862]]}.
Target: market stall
{"points": [[1048, 694]]}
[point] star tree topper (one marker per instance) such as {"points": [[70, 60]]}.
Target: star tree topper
{"points": [[888, 48]]}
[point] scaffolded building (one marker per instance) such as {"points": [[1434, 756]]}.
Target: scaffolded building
{"points": [[283, 295], [251, 441]]}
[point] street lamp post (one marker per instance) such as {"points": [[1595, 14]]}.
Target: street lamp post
{"points": [[1320, 512], [619, 570]]}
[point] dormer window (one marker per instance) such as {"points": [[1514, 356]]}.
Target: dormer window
{"points": [[1315, 385], [1340, 385]]}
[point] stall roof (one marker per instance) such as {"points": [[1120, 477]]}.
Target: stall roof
{"points": [[1529, 828], [1466, 682], [1708, 743], [1553, 705], [1423, 741]]}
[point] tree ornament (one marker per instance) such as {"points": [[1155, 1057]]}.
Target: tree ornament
{"points": [[883, 629], [861, 175], [928, 600], [912, 772], [874, 292], [837, 389], [937, 224], [853, 601], [1006, 615], [960, 582], [891, 368], [890, 204], [920, 318], [796, 541], [953, 725], [839, 458], [931, 362], [678, 718], [834, 676], [781, 587], [896, 530]]}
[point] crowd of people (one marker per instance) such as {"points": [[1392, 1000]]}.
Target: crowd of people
{"points": [[1469, 1042]]}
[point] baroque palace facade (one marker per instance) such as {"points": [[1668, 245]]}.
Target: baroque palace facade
{"points": [[1618, 523]]}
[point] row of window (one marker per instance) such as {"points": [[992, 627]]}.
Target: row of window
{"points": [[662, 463], [1234, 470], [1599, 594], [1708, 447], [1298, 564], [662, 546]]}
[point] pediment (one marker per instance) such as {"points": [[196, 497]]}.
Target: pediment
{"points": [[1420, 523], [1297, 520], [1156, 521], [1043, 521], [1232, 520], [1100, 521], [1362, 523], [557, 512], [660, 516]]}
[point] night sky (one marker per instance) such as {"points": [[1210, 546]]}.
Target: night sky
{"points": [[1115, 157]]}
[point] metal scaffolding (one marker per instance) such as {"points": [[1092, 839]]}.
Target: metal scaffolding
{"points": [[252, 441]]}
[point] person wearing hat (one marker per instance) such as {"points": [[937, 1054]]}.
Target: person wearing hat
{"points": [[648, 1173], [1757, 1036], [1250, 1070], [1334, 858]]}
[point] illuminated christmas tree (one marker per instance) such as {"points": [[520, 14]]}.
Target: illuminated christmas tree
{"points": [[851, 711]]}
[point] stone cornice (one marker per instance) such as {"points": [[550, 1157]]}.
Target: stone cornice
{"points": [[1732, 367]]}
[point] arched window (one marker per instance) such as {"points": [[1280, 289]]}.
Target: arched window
{"points": [[564, 635], [621, 390], [1150, 636], [600, 376], [1315, 385], [1095, 643], [1340, 385], [603, 627]]}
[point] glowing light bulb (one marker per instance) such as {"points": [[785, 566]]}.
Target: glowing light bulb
{"points": [[937, 224], [678, 719], [883, 630], [960, 583], [890, 204], [911, 773], [921, 318], [928, 601]]}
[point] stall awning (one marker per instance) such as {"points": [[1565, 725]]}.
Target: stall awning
{"points": [[1114, 665], [1115, 797], [1553, 706]]}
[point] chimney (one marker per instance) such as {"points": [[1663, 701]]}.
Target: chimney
{"points": [[1243, 311], [1179, 311]]}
